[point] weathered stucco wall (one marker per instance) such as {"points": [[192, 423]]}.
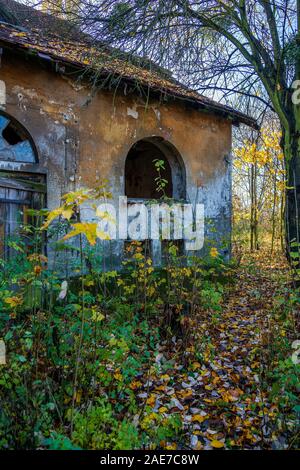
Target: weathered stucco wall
{"points": [[82, 139]]}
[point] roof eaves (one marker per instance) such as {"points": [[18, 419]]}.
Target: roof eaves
{"points": [[185, 95]]}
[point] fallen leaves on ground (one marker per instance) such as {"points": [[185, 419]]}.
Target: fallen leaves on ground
{"points": [[220, 396]]}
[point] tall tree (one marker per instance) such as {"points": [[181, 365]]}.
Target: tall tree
{"points": [[259, 183]]}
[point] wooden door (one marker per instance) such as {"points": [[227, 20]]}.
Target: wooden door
{"points": [[18, 192]]}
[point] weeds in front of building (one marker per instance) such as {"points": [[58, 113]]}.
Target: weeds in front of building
{"points": [[82, 343], [76, 345]]}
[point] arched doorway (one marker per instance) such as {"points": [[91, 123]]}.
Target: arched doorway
{"points": [[19, 190], [141, 173]]}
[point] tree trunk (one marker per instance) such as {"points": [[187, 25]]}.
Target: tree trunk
{"points": [[253, 209], [274, 210], [293, 194], [293, 206], [292, 160], [282, 224]]}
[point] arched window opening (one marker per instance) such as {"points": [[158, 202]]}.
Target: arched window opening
{"points": [[13, 135], [15, 142], [141, 174], [141, 183], [18, 191]]}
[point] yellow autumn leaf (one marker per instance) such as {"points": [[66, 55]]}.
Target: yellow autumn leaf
{"points": [[199, 418], [138, 256], [77, 197], [52, 215], [213, 252], [186, 394], [165, 377], [67, 212], [97, 316], [172, 446], [151, 400], [118, 376], [135, 384], [163, 409], [89, 229], [78, 396], [14, 301], [199, 446], [247, 423], [196, 365], [217, 444]]}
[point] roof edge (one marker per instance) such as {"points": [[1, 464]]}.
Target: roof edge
{"points": [[202, 102]]}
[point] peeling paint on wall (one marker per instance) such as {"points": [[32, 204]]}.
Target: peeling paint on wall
{"points": [[21, 92], [157, 113], [2, 93], [133, 112]]}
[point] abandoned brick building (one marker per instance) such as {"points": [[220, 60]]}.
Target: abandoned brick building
{"points": [[57, 134]]}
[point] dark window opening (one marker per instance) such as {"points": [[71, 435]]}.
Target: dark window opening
{"points": [[141, 183], [13, 135], [141, 174], [15, 142]]}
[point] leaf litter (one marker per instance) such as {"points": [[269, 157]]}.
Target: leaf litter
{"points": [[220, 395]]}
